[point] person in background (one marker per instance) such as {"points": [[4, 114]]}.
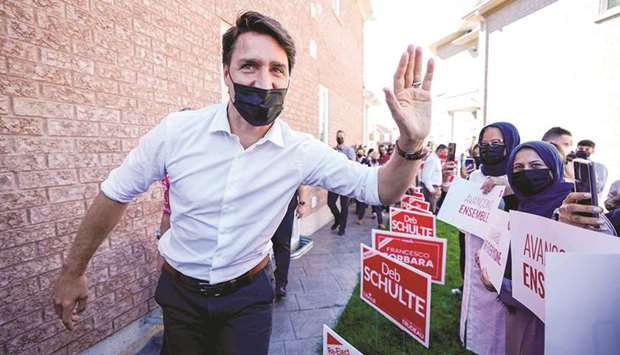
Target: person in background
{"points": [[281, 240], [585, 149], [340, 215], [562, 139], [383, 154], [482, 327], [432, 176]]}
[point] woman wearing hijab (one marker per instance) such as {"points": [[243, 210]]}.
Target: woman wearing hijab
{"points": [[483, 316], [537, 180]]}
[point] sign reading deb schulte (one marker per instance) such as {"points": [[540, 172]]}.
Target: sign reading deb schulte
{"points": [[468, 209], [334, 344], [532, 239], [425, 254], [412, 222], [398, 291]]}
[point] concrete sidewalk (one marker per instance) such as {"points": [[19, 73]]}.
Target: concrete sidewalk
{"points": [[320, 285]]}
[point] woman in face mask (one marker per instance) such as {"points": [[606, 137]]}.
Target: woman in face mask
{"points": [[537, 180], [483, 317]]}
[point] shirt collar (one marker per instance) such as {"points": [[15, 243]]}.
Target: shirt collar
{"points": [[220, 124]]}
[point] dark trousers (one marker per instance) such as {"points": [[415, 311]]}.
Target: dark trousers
{"points": [[462, 253], [340, 216], [237, 323], [282, 244], [360, 209]]}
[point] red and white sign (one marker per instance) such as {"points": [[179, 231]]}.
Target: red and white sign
{"points": [[532, 239], [398, 291], [412, 222], [418, 195], [468, 209], [334, 344], [425, 254], [408, 202]]}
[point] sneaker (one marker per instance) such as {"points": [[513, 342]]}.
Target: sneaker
{"points": [[359, 221], [334, 226], [456, 291], [341, 232]]}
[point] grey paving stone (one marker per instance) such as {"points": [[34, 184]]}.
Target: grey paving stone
{"points": [[282, 327], [321, 282], [304, 347], [277, 348], [287, 304], [308, 324], [323, 299]]}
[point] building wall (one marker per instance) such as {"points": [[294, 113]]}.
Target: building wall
{"points": [[550, 64], [80, 82]]}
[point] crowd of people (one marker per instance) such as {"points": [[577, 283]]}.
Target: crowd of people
{"points": [[539, 179]]}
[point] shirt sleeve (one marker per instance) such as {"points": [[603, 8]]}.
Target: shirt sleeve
{"points": [[144, 165], [427, 171], [327, 168]]}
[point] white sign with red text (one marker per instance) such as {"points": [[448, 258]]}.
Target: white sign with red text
{"points": [[398, 291], [425, 254], [408, 202], [468, 209], [494, 252], [334, 344], [532, 239], [412, 222]]}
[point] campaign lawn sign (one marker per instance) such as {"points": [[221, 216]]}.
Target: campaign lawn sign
{"points": [[398, 291]]}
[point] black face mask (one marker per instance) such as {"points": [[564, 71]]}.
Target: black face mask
{"points": [[582, 154], [259, 107], [532, 181], [492, 154], [339, 140]]}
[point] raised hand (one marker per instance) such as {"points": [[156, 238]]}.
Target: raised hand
{"points": [[410, 100]]}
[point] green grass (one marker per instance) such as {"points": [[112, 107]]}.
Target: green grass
{"points": [[371, 333]]}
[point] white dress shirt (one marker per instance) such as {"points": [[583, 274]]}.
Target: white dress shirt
{"points": [[431, 173], [227, 202]]}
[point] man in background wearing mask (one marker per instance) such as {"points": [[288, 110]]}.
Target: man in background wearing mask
{"points": [[585, 149], [340, 216], [432, 176], [233, 168]]}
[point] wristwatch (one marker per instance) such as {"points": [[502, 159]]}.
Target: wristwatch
{"points": [[410, 156]]}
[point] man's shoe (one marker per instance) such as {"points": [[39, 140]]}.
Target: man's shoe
{"points": [[280, 292], [334, 226], [341, 232]]}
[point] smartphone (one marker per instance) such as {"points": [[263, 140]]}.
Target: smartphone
{"points": [[585, 181], [451, 152], [470, 164]]}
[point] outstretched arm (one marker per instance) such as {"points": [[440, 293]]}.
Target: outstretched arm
{"points": [[410, 105]]}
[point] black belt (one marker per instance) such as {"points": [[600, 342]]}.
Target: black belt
{"points": [[219, 289]]}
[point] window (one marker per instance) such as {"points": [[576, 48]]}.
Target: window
{"points": [[312, 48], [336, 7], [607, 9], [323, 114]]}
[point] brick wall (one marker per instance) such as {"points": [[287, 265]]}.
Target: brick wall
{"points": [[80, 82]]}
